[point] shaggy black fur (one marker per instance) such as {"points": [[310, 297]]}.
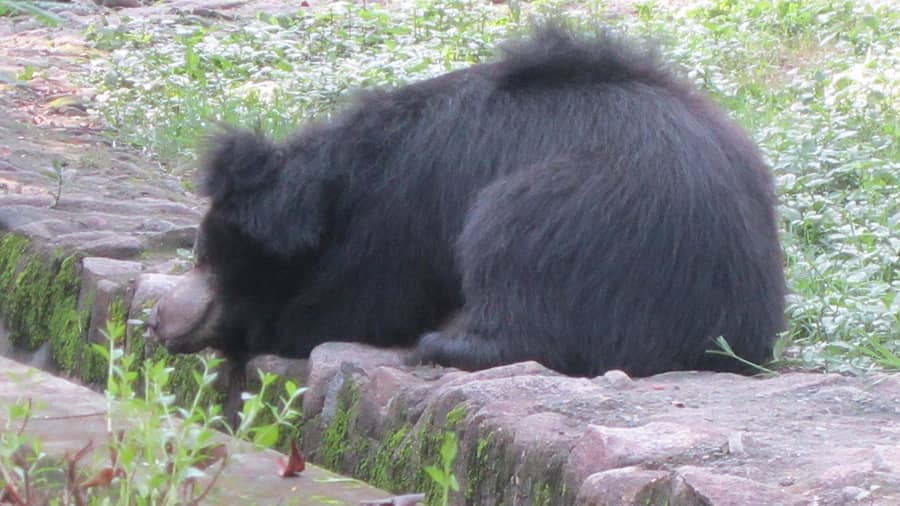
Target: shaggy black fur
{"points": [[574, 202]]}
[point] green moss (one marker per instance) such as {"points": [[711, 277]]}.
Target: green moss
{"points": [[67, 325], [67, 345], [39, 301], [385, 472], [427, 440], [93, 368], [549, 487], [135, 344], [335, 440], [543, 495], [454, 416], [479, 462], [27, 307], [396, 462], [11, 249]]}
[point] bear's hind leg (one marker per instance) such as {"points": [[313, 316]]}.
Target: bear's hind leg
{"points": [[453, 348]]}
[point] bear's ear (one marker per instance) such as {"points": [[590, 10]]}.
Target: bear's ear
{"points": [[284, 220], [237, 161], [283, 210]]}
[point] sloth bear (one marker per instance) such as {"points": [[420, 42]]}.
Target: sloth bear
{"points": [[572, 203]]}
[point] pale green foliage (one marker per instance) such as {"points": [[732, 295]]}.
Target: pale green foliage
{"points": [[161, 449], [443, 475], [162, 443], [266, 435]]}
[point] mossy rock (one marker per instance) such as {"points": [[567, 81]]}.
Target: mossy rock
{"points": [[39, 302]]}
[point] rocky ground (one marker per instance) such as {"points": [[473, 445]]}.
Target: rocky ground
{"points": [[526, 435]]}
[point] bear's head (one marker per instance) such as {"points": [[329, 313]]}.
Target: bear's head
{"points": [[265, 221]]}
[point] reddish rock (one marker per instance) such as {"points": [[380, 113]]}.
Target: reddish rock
{"points": [[328, 358], [95, 268], [621, 487], [618, 379], [105, 281], [288, 368], [148, 288], [725, 490], [113, 246], [602, 448]]}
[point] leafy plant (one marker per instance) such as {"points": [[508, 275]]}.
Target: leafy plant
{"points": [[159, 453], [726, 351], [266, 435], [61, 176], [15, 449], [443, 476]]}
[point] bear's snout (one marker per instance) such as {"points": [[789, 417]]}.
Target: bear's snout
{"points": [[180, 318]]}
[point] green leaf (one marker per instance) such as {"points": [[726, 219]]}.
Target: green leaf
{"points": [[18, 411], [266, 436], [101, 350], [267, 378], [448, 448], [437, 475]]}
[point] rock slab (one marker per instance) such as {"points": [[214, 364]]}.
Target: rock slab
{"points": [[527, 435]]}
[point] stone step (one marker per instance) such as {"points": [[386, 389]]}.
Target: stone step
{"points": [[65, 416]]}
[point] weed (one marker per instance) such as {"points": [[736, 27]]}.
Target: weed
{"points": [[60, 176], [158, 452], [443, 476], [726, 351]]}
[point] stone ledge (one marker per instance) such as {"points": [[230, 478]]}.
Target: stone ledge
{"points": [[529, 436], [250, 476]]}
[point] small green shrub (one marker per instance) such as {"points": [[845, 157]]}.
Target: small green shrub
{"points": [[442, 474], [158, 451]]}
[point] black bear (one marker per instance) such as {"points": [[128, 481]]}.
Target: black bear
{"points": [[572, 203]]}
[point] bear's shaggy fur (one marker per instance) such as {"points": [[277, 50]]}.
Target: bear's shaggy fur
{"points": [[572, 203]]}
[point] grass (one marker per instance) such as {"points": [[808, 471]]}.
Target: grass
{"points": [[815, 82]]}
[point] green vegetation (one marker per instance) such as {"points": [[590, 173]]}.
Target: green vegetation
{"points": [[814, 81], [160, 452], [40, 303], [442, 474]]}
